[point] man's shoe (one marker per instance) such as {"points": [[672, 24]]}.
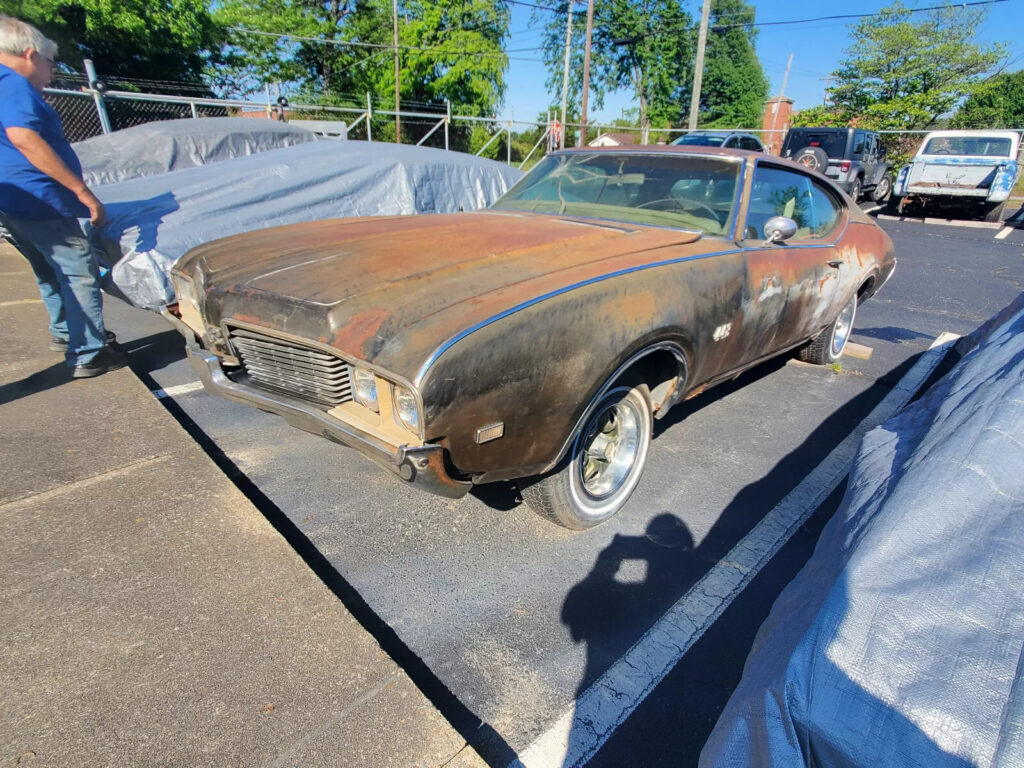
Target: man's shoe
{"points": [[57, 344], [108, 359]]}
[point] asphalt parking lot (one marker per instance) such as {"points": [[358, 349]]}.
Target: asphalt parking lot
{"points": [[506, 621]]}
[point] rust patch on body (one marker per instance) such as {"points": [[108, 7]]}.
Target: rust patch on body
{"points": [[360, 328]]}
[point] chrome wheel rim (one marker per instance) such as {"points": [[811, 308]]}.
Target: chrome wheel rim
{"points": [[843, 326], [609, 450]]}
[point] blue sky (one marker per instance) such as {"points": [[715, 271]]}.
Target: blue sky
{"points": [[816, 47]]}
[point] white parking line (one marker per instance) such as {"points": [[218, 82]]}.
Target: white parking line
{"points": [[1004, 232], [580, 731], [181, 389]]}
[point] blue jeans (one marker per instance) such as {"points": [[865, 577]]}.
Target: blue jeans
{"points": [[69, 281]]}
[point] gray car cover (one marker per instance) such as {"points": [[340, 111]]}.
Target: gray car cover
{"points": [[899, 643], [170, 145], [153, 221]]}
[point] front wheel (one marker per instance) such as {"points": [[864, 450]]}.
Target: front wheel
{"points": [[828, 346], [604, 465]]}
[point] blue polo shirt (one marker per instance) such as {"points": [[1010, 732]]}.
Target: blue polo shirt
{"points": [[25, 191]]}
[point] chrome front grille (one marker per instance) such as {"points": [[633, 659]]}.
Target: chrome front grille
{"points": [[290, 367]]}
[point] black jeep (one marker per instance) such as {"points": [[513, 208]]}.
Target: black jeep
{"points": [[851, 157]]}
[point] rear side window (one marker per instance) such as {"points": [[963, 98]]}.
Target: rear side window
{"points": [[778, 192], [858, 143], [832, 142], [749, 143]]}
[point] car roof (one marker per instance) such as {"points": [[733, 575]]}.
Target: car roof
{"points": [[650, 149], [696, 149]]}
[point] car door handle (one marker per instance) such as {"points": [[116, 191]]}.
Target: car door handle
{"points": [[834, 263]]}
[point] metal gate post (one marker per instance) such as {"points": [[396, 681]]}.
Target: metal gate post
{"points": [[448, 119], [369, 118], [97, 96]]}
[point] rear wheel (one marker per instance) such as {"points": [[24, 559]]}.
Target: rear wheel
{"points": [[604, 465], [995, 213], [855, 190], [892, 207], [828, 346]]}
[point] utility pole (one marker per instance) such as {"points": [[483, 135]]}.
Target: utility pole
{"points": [[778, 103], [698, 70], [586, 74], [828, 81], [398, 107], [565, 76]]}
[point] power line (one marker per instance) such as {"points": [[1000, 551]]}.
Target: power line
{"points": [[353, 43], [857, 15]]}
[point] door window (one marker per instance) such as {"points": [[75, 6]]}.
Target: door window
{"points": [[778, 192]]}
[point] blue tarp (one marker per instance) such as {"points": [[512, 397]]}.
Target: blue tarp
{"points": [[170, 145], [153, 221], [900, 642]]}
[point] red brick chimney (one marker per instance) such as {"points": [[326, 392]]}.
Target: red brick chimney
{"points": [[778, 113]]}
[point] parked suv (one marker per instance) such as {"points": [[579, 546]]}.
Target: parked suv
{"points": [[851, 157]]}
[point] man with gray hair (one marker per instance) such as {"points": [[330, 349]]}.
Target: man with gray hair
{"points": [[42, 198]]}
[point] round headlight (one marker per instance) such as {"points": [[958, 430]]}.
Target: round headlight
{"points": [[364, 388], [405, 407]]}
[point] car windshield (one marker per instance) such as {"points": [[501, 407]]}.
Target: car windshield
{"points": [[984, 146], [833, 143], [667, 189], [700, 140]]}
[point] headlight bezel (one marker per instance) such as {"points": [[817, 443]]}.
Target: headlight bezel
{"points": [[185, 289]]}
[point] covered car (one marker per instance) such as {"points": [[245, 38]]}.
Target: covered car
{"points": [[153, 221], [899, 643], [170, 145], [535, 340]]}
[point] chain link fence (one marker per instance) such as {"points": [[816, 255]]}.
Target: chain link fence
{"points": [[82, 111]]}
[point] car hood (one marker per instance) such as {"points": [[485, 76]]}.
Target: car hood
{"points": [[390, 290]]}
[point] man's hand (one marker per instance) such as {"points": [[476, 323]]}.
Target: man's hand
{"points": [[97, 213]]}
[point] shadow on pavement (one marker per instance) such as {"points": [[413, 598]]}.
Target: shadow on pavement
{"points": [[635, 580], [40, 381], [155, 352]]}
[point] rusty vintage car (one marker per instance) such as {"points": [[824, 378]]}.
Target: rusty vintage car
{"points": [[534, 340]]}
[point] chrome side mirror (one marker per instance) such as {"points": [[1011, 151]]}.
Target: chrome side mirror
{"points": [[778, 228]]}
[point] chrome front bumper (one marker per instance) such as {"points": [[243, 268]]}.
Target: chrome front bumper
{"points": [[422, 466]]}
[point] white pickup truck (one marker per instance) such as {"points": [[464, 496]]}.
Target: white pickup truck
{"points": [[972, 171]]}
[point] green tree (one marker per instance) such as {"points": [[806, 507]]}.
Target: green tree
{"points": [[448, 50], [167, 40], [734, 89], [644, 45], [905, 70], [1000, 104]]}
